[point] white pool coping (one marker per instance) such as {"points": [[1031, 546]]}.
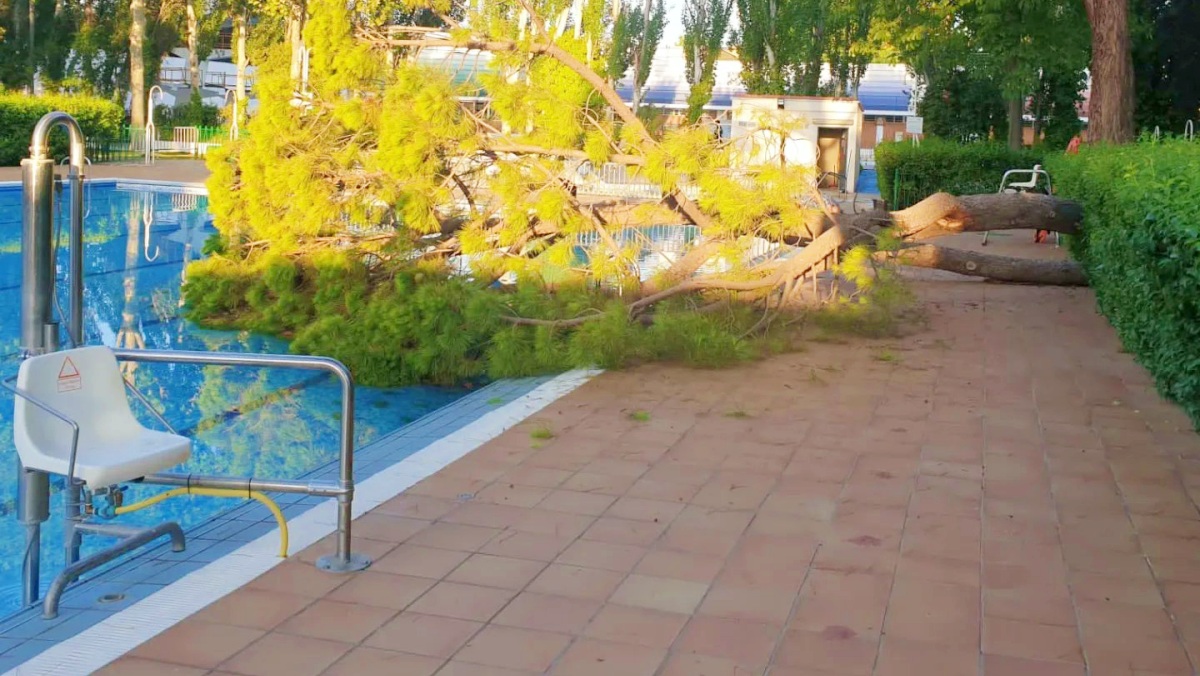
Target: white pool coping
{"points": [[117, 635], [189, 187]]}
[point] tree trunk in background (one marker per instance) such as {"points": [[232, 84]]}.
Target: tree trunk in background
{"points": [[137, 63], [1110, 110], [1016, 123], [640, 57], [242, 60], [295, 38], [32, 27], [193, 43]]}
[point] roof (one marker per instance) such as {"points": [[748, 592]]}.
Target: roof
{"points": [[885, 89]]}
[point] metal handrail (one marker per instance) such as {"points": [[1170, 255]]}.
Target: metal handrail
{"points": [[1032, 173], [27, 396], [343, 491]]}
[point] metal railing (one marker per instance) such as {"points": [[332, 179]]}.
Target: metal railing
{"points": [[128, 144], [344, 560]]}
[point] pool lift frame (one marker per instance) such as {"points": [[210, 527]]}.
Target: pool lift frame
{"points": [[40, 334]]}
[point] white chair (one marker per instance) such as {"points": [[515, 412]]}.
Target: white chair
{"points": [[82, 389], [72, 418]]}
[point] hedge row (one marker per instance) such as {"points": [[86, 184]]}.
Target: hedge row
{"points": [[19, 114], [1141, 249], [937, 165]]}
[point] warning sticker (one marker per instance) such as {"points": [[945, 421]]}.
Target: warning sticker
{"points": [[69, 379]]}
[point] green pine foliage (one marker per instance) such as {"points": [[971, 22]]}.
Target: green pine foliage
{"points": [[336, 210], [1141, 205], [426, 327]]}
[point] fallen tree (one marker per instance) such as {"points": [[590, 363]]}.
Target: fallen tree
{"points": [[356, 188], [940, 215]]}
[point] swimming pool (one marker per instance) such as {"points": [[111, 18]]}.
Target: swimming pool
{"points": [[280, 423], [868, 182]]}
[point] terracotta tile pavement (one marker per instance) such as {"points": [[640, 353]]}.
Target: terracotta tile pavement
{"points": [[1004, 495]]}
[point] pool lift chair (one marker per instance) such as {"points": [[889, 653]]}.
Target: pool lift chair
{"points": [[72, 415], [1037, 180], [72, 418]]}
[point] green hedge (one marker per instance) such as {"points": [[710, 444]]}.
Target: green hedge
{"points": [[1141, 249], [937, 165], [19, 113]]}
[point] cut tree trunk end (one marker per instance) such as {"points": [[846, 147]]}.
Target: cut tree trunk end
{"points": [[943, 214]]}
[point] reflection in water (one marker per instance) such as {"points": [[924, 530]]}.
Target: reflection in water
{"points": [[130, 335]]}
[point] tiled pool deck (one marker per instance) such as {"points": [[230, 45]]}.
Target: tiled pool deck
{"points": [[1002, 493], [26, 634]]}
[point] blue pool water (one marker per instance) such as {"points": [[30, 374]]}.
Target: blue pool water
{"points": [[246, 422], [868, 182]]}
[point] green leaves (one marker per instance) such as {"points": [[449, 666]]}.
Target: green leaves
{"points": [[19, 113], [1141, 248], [938, 165], [783, 44]]}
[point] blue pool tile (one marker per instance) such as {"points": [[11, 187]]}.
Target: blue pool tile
{"points": [[33, 624], [216, 551], [76, 623], [86, 596], [174, 571], [27, 650]]}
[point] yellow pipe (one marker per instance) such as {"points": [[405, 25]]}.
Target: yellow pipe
{"points": [[218, 493]]}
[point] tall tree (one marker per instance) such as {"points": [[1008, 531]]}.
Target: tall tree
{"points": [[635, 37], [784, 45], [193, 44], [764, 45], [705, 23], [1017, 44], [242, 60], [1110, 109], [137, 63], [297, 12], [30, 35], [1027, 39]]}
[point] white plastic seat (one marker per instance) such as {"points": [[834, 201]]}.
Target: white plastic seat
{"points": [[85, 385]]}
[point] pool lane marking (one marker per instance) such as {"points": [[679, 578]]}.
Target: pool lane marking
{"points": [[125, 630]]}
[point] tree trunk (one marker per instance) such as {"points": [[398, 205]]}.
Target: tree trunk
{"points": [[137, 63], [295, 37], [1016, 123], [32, 53], [943, 214], [641, 56], [193, 43], [242, 60], [1110, 109], [991, 267]]}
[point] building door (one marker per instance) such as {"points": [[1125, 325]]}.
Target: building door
{"points": [[831, 158]]}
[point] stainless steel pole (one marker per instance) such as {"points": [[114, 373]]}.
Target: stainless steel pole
{"points": [[39, 331], [75, 269], [37, 287]]}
